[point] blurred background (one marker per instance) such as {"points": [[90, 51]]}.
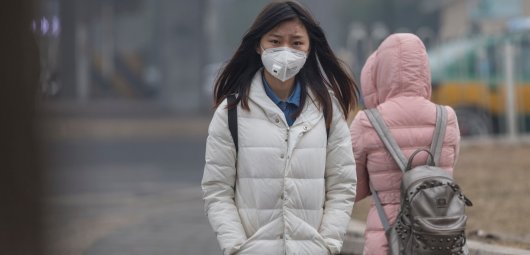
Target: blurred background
{"points": [[167, 53], [125, 98]]}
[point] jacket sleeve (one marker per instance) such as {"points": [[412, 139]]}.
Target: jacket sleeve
{"points": [[218, 184], [340, 182], [356, 131], [453, 124]]}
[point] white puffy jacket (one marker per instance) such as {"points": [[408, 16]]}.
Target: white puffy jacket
{"points": [[291, 194]]}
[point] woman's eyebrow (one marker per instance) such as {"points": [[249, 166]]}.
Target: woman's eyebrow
{"points": [[275, 35], [297, 36]]}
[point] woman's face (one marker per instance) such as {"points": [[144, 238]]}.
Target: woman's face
{"points": [[290, 33]]}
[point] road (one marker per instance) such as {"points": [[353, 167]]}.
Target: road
{"points": [[138, 194], [131, 185]]}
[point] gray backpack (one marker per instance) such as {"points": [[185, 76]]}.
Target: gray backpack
{"points": [[432, 216]]}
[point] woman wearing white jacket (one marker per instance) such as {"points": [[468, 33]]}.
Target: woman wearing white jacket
{"points": [[290, 186]]}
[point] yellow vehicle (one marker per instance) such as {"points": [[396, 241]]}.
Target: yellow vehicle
{"points": [[469, 76]]}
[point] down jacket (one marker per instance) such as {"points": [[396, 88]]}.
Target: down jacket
{"points": [[293, 189], [396, 79]]}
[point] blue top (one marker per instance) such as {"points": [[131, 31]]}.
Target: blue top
{"points": [[288, 107]]}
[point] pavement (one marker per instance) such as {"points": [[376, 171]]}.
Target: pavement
{"points": [[354, 242], [125, 179], [165, 222]]}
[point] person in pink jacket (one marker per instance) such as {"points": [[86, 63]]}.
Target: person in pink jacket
{"points": [[396, 79]]}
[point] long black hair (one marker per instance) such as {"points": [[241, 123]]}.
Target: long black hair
{"points": [[237, 74]]}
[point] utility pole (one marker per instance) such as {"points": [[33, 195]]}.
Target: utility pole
{"points": [[510, 99], [67, 63]]}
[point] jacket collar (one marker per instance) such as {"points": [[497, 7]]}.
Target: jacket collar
{"points": [[294, 98], [310, 115]]}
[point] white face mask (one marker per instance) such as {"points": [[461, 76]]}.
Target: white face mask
{"points": [[283, 62]]}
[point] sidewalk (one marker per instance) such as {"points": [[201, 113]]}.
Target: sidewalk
{"points": [[118, 120], [354, 242], [112, 108], [167, 221], [124, 128], [160, 224]]}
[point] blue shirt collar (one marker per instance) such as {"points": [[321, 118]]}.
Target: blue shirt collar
{"points": [[294, 98]]}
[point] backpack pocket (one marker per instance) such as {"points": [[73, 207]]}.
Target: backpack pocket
{"points": [[443, 235]]}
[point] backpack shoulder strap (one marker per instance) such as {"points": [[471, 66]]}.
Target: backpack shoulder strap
{"points": [[439, 133], [232, 120], [391, 145], [379, 207], [382, 131]]}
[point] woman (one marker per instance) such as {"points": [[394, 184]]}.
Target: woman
{"points": [[290, 187], [396, 80]]}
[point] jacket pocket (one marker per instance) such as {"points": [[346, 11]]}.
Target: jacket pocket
{"points": [[300, 230], [266, 240]]}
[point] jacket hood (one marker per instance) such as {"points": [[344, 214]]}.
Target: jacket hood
{"points": [[398, 68], [368, 87]]}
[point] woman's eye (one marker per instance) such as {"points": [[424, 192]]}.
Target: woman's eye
{"points": [[275, 41], [298, 44]]}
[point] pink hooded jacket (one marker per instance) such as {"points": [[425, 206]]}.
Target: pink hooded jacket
{"points": [[397, 80]]}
